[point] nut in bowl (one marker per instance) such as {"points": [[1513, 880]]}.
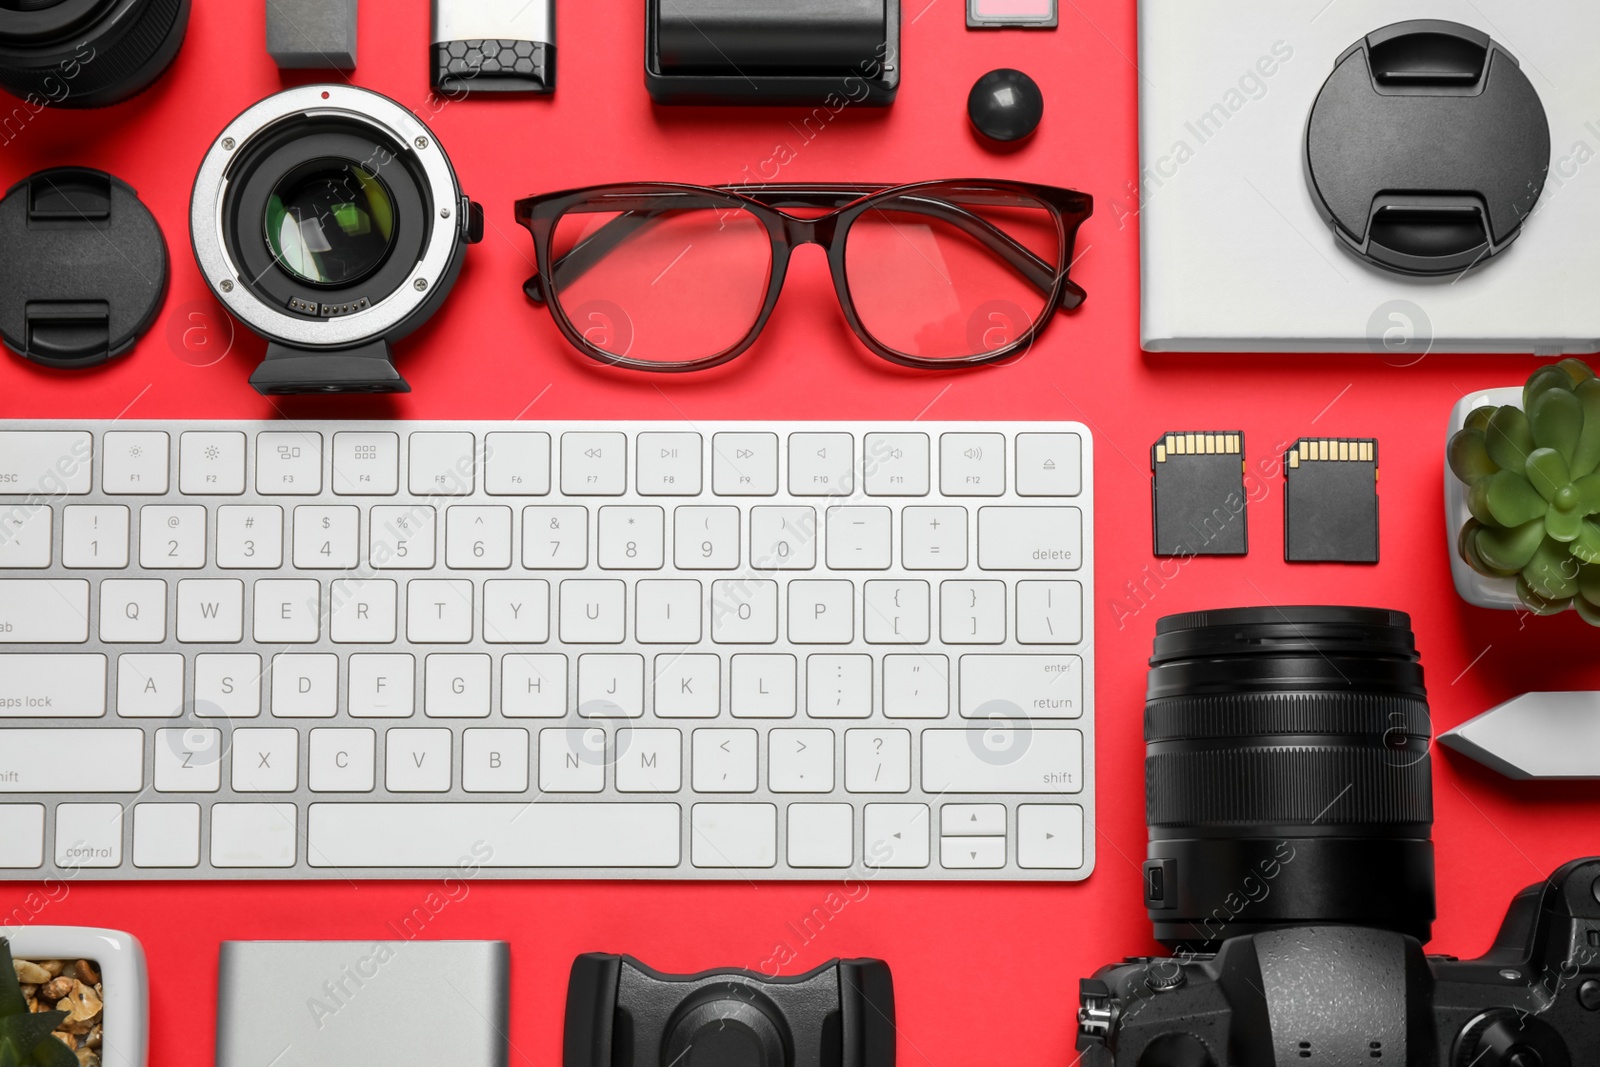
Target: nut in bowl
{"points": [[71, 997]]}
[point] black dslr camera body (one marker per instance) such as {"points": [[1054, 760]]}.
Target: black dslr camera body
{"points": [[1290, 806], [1347, 995]]}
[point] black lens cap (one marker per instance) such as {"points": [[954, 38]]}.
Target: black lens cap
{"points": [[1427, 148], [85, 268], [1005, 105]]}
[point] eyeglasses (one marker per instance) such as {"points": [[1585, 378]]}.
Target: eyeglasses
{"points": [[665, 277]]}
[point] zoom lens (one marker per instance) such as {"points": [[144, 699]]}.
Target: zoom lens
{"points": [[1287, 774], [330, 222], [87, 53]]}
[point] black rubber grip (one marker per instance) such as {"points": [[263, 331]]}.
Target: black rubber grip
{"points": [[497, 66], [1379, 717], [1326, 784]]}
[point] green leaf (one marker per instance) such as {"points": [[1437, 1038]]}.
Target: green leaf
{"points": [[1469, 456], [1550, 376], [1478, 418], [1586, 458], [1509, 550], [1556, 418], [1547, 472], [1588, 612], [1586, 546], [1511, 500], [1478, 501], [1508, 438], [1576, 369], [1563, 526], [1552, 573], [1541, 605], [1589, 583], [27, 1038], [12, 1002]]}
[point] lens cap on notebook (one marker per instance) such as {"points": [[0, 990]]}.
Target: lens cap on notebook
{"points": [[85, 268], [1427, 148]]}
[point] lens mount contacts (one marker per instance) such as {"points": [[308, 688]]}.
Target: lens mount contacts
{"points": [[329, 220]]}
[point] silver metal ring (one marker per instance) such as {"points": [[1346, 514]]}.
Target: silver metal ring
{"points": [[359, 107]]}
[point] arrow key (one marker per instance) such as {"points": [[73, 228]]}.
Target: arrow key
{"points": [[966, 853], [1049, 836], [972, 820], [896, 835]]}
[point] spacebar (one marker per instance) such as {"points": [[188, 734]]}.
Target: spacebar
{"points": [[494, 835]]}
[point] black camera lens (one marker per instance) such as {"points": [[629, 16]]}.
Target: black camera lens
{"points": [[1287, 774], [330, 222], [87, 53]]}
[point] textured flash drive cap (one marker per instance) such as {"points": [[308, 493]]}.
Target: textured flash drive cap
{"points": [[312, 34]]}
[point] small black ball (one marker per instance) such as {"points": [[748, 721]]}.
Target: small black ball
{"points": [[1005, 105]]}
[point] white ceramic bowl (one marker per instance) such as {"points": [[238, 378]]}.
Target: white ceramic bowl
{"points": [[122, 975], [1476, 589]]}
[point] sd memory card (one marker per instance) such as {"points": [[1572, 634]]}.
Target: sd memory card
{"points": [[1330, 502], [1197, 500]]}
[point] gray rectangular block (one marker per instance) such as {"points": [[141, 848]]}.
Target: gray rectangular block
{"points": [[312, 34]]}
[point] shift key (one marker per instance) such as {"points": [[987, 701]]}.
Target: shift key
{"points": [[71, 761], [1030, 539], [1027, 687]]}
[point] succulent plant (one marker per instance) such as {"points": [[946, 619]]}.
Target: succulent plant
{"points": [[1533, 477], [25, 1039]]}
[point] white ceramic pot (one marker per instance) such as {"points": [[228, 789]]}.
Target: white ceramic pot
{"points": [[122, 976]]}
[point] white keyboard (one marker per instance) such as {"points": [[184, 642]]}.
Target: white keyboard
{"points": [[546, 650]]}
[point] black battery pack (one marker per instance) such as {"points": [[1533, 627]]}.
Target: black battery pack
{"points": [[772, 51]]}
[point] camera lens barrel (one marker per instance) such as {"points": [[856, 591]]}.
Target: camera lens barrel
{"points": [[1287, 774], [87, 53]]}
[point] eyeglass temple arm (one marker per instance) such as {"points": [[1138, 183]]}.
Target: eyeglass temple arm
{"points": [[583, 256]]}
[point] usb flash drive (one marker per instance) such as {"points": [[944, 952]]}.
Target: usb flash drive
{"points": [[494, 46]]}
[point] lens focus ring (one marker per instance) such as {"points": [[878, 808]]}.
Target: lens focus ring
{"points": [[126, 46]]}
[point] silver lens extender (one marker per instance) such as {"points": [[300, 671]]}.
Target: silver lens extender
{"points": [[328, 220]]}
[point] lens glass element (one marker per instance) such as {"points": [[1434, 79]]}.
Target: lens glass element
{"points": [[330, 223]]}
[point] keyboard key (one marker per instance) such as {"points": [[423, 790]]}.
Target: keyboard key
{"points": [[822, 612], [134, 463], [94, 537], [744, 612], [72, 761], [705, 538], [21, 836], [762, 687], [593, 612], [88, 835], [211, 463], [172, 538], [43, 610], [26, 536], [327, 537], [669, 464], [211, 610], [783, 539], [972, 613], [972, 464], [47, 462], [800, 761], [972, 853], [417, 761], [594, 464], [166, 835], [150, 686], [494, 761], [573, 761], [254, 835], [364, 611], [456, 687], [725, 761], [1002, 759], [516, 611], [516, 464], [821, 835], [188, 760], [858, 538], [382, 686], [610, 687], [305, 686], [972, 820], [477, 538], [877, 761], [1049, 836], [688, 686], [1035, 687], [822, 464], [839, 687], [533, 687], [546, 834], [632, 538], [933, 539], [651, 762], [1030, 539], [734, 835], [52, 686], [744, 464], [896, 613], [401, 538], [439, 611], [264, 761], [442, 464], [287, 610], [916, 687], [896, 835], [132, 610], [1049, 464], [555, 538], [250, 538], [1049, 613], [341, 761], [366, 464], [227, 686], [896, 464], [289, 464], [667, 612]]}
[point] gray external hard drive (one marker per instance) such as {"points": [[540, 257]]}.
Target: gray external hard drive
{"points": [[335, 1003]]}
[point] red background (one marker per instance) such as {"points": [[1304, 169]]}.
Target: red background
{"points": [[984, 973]]}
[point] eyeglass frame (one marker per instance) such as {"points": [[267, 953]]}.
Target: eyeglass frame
{"points": [[1070, 208]]}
